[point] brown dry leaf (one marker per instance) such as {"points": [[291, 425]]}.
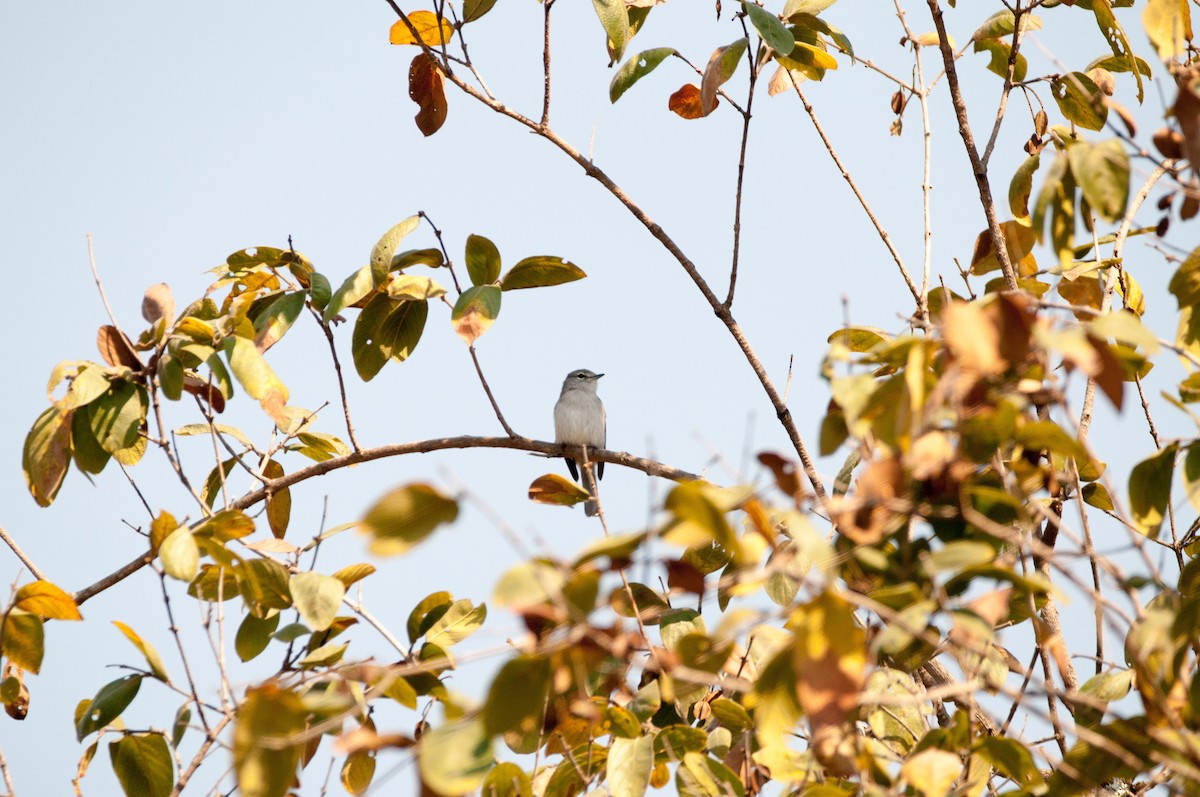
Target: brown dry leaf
{"points": [[426, 89], [864, 517], [830, 657], [1053, 642], [427, 26], [784, 471], [1169, 143], [973, 338], [1109, 375], [116, 349], [992, 606], [1187, 113], [929, 455], [1018, 240], [1014, 316], [158, 303], [364, 738], [686, 102], [205, 390], [784, 80], [1123, 112]]}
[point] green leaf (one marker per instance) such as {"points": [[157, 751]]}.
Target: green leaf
{"points": [[507, 780], [47, 454], [731, 715], [460, 620], [635, 69], [1013, 760], [215, 582], [1001, 52], [426, 613], [24, 640], [806, 6], [678, 623], [143, 764], [540, 272], [157, 668], [517, 697], [406, 516], [629, 764], [1102, 171], [483, 260], [431, 257], [773, 32], [252, 371], [701, 776], [274, 322], [182, 717], [408, 286], [179, 554], [317, 597], [614, 18], [386, 329], [264, 585], [1004, 23], [319, 290], [113, 698], [356, 288], [116, 416], [1118, 41], [474, 9], [721, 66], [475, 311], [455, 758], [88, 384], [266, 741], [1080, 100], [1150, 490], [253, 635], [1096, 494], [1021, 187], [89, 456], [385, 247], [529, 584]]}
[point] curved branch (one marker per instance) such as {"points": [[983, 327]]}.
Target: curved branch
{"points": [[648, 466], [978, 168], [718, 307]]}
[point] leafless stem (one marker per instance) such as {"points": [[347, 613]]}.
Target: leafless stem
{"points": [[187, 669], [99, 285], [723, 313], [922, 94], [1002, 106], [546, 62], [8, 784], [337, 367], [25, 560], [978, 168], [198, 759], [487, 389], [741, 173], [862, 200]]}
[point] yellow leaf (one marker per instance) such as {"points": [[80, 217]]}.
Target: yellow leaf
{"points": [[433, 30], [45, 599], [830, 658], [556, 490], [932, 772]]}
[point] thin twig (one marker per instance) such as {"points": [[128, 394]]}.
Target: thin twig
{"points": [[591, 170], [977, 166], [487, 389], [862, 200], [741, 170], [337, 367], [187, 670], [8, 784], [25, 560]]}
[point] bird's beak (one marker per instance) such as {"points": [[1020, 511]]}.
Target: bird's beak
{"points": [[599, 375]]}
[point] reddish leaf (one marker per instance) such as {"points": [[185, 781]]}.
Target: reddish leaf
{"points": [[425, 89], [116, 349], [686, 102]]}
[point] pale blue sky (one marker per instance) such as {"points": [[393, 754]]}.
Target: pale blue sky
{"points": [[177, 134]]}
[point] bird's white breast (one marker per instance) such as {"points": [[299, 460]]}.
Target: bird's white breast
{"points": [[579, 419]]}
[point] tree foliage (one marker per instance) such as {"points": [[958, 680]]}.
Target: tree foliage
{"points": [[873, 635]]}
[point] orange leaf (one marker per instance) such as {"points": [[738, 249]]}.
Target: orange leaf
{"points": [[686, 102], [433, 30], [425, 89]]}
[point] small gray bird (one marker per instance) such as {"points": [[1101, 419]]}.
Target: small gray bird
{"points": [[579, 420]]}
